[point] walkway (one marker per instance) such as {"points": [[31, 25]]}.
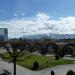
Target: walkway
{"points": [[59, 70]]}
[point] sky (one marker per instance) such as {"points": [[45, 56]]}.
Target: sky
{"points": [[30, 17]]}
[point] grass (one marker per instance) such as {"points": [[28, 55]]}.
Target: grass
{"points": [[44, 61]]}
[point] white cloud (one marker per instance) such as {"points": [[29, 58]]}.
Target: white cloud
{"points": [[23, 14], [15, 15], [40, 24]]}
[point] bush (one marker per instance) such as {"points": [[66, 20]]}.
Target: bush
{"points": [[35, 65], [52, 72], [70, 72], [56, 57], [61, 54]]}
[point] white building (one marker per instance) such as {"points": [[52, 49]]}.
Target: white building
{"points": [[3, 34]]}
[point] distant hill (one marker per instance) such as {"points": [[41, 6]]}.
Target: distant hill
{"points": [[51, 36]]}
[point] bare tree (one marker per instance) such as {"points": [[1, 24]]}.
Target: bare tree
{"points": [[15, 49]]}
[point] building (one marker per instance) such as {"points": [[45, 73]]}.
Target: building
{"points": [[3, 34]]}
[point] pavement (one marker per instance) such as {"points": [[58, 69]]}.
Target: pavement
{"points": [[70, 58], [59, 70]]}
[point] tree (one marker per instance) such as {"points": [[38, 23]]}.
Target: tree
{"points": [[56, 57], [52, 72], [61, 53], [41, 48], [70, 72], [15, 49], [54, 46], [35, 65]]}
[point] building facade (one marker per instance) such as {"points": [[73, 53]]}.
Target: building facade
{"points": [[3, 34]]}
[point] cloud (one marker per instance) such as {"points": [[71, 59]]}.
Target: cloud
{"points": [[39, 24], [23, 14]]}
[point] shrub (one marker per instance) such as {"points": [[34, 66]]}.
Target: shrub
{"points": [[61, 54], [70, 72], [52, 72], [35, 65], [56, 57]]}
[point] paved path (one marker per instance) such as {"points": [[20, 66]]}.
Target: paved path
{"points": [[70, 58], [59, 70]]}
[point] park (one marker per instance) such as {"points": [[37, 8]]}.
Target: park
{"points": [[36, 55]]}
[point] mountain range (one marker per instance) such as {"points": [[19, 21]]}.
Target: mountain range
{"points": [[50, 36]]}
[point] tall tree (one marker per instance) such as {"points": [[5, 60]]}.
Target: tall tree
{"points": [[15, 49]]}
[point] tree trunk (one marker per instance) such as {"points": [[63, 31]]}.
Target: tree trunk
{"points": [[14, 66]]}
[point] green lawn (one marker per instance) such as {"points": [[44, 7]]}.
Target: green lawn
{"points": [[44, 61]]}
